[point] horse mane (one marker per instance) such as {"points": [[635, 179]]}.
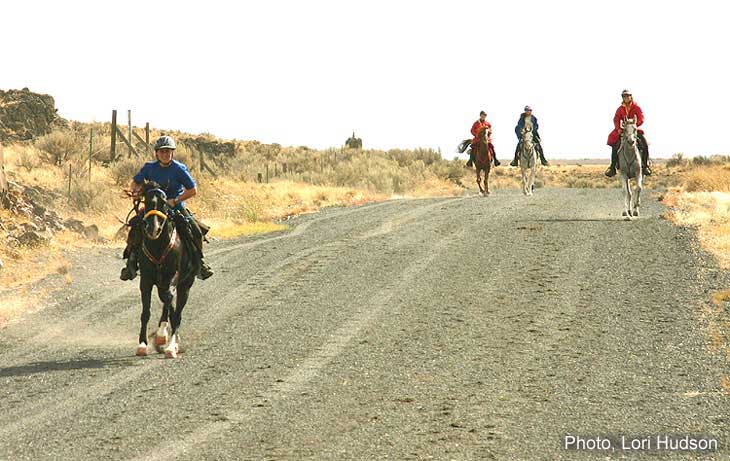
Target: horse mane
{"points": [[149, 185]]}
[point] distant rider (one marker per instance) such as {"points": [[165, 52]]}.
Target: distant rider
{"points": [[628, 109], [475, 128], [528, 120]]}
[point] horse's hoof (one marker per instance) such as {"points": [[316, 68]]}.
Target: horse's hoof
{"points": [[160, 340], [624, 213], [636, 213], [141, 350], [171, 352]]}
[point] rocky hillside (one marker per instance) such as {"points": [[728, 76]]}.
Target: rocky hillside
{"points": [[25, 115]]}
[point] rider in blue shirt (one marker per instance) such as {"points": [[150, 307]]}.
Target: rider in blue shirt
{"points": [[175, 179]]}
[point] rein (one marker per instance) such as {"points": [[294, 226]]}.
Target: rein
{"points": [[161, 260]]}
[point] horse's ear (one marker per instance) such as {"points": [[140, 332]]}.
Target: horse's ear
{"points": [[622, 124], [635, 118]]}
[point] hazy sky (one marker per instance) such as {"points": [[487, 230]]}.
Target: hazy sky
{"points": [[401, 74]]}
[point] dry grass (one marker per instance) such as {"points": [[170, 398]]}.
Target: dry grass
{"points": [[232, 204], [702, 200]]}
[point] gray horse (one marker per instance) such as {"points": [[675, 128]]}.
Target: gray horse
{"points": [[629, 165], [528, 160]]}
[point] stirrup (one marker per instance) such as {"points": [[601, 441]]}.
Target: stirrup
{"points": [[204, 272]]}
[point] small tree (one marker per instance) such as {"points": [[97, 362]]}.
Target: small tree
{"points": [[353, 142]]}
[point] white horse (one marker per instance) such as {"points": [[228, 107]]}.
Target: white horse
{"points": [[629, 165], [528, 160]]}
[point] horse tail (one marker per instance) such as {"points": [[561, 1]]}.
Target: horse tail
{"points": [[463, 146]]}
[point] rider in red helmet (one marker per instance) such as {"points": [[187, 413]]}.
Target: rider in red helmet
{"points": [[475, 128], [628, 109]]}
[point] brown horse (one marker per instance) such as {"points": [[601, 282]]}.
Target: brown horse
{"points": [[483, 155]]}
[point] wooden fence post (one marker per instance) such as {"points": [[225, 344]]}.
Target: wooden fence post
{"points": [[129, 122], [91, 149], [69, 183], [147, 135], [259, 178], [267, 173], [126, 141], [114, 135]]}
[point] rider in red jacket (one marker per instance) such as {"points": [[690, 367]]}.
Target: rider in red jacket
{"points": [[628, 109], [475, 128]]}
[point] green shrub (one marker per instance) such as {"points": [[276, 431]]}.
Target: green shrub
{"points": [[124, 169], [91, 196], [58, 147]]}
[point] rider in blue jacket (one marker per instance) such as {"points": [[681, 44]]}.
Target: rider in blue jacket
{"points": [[527, 119], [177, 183]]}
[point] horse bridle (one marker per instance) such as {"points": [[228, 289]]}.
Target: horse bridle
{"points": [[155, 212], [173, 237]]}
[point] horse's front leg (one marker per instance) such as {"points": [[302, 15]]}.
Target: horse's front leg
{"points": [[523, 172], [627, 196], [166, 297], [183, 290], [533, 172], [486, 180], [145, 287], [637, 194], [479, 180], [162, 333]]}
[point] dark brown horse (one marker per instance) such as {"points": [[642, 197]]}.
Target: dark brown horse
{"points": [[483, 155], [166, 262]]}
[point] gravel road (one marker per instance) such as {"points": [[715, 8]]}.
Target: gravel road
{"points": [[452, 328]]}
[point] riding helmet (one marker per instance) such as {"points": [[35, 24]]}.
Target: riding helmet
{"points": [[165, 142], [625, 91]]}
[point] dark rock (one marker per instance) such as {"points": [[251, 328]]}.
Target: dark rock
{"points": [[38, 210], [91, 232], [75, 225], [32, 239]]}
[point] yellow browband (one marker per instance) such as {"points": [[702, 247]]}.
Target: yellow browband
{"points": [[156, 213]]}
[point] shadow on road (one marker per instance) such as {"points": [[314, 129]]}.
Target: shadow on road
{"points": [[67, 365]]}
